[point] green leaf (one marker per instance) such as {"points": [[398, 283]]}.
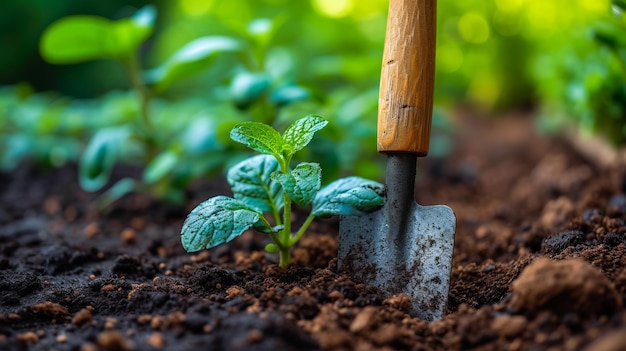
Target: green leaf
{"points": [[263, 228], [272, 248], [288, 94], [130, 33], [200, 137], [117, 191], [262, 30], [216, 221], [299, 133], [82, 38], [98, 159], [191, 59], [259, 137], [621, 4], [348, 196], [144, 17], [302, 183], [247, 87], [160, 166], [251, 183], [77, 39]]}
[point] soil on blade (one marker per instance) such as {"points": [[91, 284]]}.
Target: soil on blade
{"points": [[539, 263]]}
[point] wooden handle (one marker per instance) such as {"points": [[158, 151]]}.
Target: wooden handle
{"points": [[407, 79]]}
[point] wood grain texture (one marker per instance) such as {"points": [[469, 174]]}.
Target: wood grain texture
{"points": [[407, 79]]}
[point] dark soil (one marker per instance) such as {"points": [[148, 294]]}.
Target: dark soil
{"points": [[539, 264]]}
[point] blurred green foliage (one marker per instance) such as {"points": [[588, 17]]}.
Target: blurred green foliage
{"points": [[293, 58], [583, 79], [486, 50], [245, 88], [21, 25]]}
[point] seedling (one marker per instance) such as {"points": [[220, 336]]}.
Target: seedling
{"points": [[167, 151], [266, 184]]}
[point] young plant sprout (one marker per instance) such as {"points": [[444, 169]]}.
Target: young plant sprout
{"points": [[266, 184]]}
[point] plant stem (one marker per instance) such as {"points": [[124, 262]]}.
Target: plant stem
{"points": [[285, 234], [302, 229], [285, 257], [276, 241], [285, 237], [134, 72], [275, 211]]}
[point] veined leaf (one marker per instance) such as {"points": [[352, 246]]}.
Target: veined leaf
{"points": [[302, 183], [299, 133], [259, 137], [251, 183], [263, 228], [348, 196], [216, 221], [192, 58], [82, 38]]}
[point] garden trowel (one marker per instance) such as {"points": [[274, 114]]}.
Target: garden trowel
{"points": [[404, 247]]}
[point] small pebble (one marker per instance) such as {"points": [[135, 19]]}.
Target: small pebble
{"points": [[335, 295], [144, 319], [91, 230], [113, 340], [157, 322], [81, 317], [367, 318], [234, 291], [156, 340], [255, 336], [61, 338], [129, 236], [27, 337], [401, 302], [110, 323], [108, 287], [89, 347]]}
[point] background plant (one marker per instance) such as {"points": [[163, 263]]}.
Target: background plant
{"points": [[559, 57], [173, 152], [584, 80], [83, 38]]}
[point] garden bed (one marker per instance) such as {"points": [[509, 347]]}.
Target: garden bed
{"points": [[74, 278]]}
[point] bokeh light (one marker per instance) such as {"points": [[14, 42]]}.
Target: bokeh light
{"points": [[474, 28]]}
